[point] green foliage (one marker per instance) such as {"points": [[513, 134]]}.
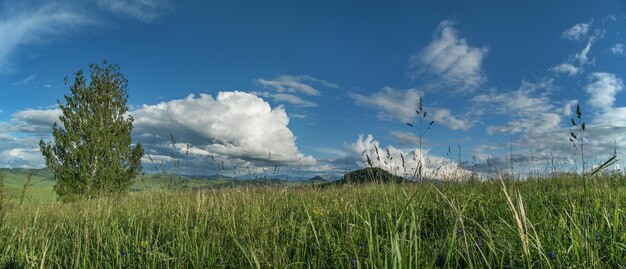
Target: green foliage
{"points": [[92, 154]]}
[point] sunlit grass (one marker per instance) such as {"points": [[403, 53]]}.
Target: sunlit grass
{"points": [[393, 225]]}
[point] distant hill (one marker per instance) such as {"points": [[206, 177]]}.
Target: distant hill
{"points": [[316, 180], [42, 172], [370, 175]]}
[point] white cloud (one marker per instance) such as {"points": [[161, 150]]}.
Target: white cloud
{"points": [[523, 100], [541, 126], [19, 151], [603, 90], [529, 109], [23, 156], [292, 99], [568, 107], [295, 84], [236, 129], [145, 11], [450, 59], [402, 104], [583, 57], [392, 103], [390, 159], [234, 124], [27, 27], [541, 123], [576, 32], [33, 121], [566, 68], [406, 138], [444, 117], [618, 49]]}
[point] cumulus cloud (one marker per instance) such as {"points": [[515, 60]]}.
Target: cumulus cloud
{"points": [[392, 103], [566, 68], [145, 11], [576, 32], [603, 89], [450, 59], [234, 124], [20, 27], [391, 159]]}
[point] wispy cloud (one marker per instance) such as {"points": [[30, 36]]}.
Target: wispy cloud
{"points": [[618, 49], [450, 60], [574, 65], [576, 32], [292, 99], [583, 57], [295, 84], [528, 108], [444, 117], [25, 80], [406, 138], [392, 103], [566, 68], [541, 124], [19, 27], [145, 11], [287, 88]]}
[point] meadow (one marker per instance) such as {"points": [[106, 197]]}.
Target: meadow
{"points": [[551, 222]]}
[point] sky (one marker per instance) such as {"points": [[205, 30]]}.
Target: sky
{"points": [[316, 87]]}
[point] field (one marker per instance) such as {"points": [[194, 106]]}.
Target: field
{"points": [[546, 223]]}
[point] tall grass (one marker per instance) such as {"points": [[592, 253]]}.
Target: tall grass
{"points": [[1, 197], [474, 225]]}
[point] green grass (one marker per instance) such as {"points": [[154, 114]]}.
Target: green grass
{"points": [[344, 226], [39, 191]]}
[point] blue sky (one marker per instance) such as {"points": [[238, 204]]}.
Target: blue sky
{"points": [[318, 84]]}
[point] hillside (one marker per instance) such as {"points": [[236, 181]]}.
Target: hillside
{"points": [[370, 175], [316, 180]]}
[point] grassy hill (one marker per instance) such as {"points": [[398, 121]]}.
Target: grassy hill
{"points": [[38, 191], [370, 175]]}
